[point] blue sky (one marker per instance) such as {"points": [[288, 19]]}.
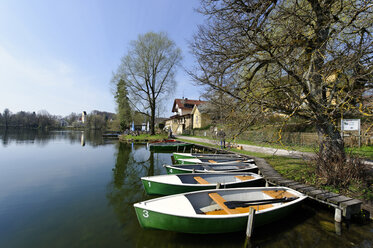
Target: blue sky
{"points": [[59, 55]]}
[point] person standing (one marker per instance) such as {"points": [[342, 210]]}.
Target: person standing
{"points": [[221, 135]]}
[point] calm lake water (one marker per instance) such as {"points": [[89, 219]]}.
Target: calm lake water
{"points": [[74, 189]]}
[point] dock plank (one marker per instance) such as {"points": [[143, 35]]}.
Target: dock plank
{"points": [[307, 189], [326, 196], [299, 186], [316, 192], [339, 199], [350, 207]]}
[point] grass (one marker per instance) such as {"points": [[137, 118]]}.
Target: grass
{"points": [[300, 170], [143, 137], [364, 151]]}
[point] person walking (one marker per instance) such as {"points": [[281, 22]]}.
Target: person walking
{"points": [[221, 135]]}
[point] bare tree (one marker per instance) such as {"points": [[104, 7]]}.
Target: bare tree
{"points": [[148, 71], [305, 58]]}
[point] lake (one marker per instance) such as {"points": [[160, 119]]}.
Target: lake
{"points": [[75, 189]]}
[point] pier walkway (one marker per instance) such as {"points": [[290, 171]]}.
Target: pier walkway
{"points": [[344, 206]]}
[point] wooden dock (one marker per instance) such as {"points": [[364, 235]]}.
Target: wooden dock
{"points": [[344, 206]]}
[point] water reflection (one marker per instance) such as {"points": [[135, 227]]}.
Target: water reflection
{"points": [[133, 161], [42, 137], [82, 139]]}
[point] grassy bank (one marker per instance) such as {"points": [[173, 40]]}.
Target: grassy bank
{"points": [[300, 170]]}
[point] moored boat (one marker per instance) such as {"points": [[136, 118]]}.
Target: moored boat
{"points": [[179, 155], [211, 168], [111, 135], [203, 160], [174, 184], [169, 146], [217, 211]]}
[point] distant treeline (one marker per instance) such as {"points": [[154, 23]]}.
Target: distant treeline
{"points": [[44, 120]]}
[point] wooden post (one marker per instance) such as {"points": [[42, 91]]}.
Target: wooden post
{"points": [[250, 222], [184, 149], [338, 228], [338, 215]]}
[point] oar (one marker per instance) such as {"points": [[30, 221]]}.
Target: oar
{"points": [[236, 204]]}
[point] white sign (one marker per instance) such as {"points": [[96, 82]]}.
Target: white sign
{"points": [[350, 125]]}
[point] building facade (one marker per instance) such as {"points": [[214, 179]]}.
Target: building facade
{"points": [[182, 121]]}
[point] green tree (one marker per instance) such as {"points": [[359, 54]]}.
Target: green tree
{"points": [[6, 117], [148, 71], [45, 120], [305, 58], [123, 104], [95, 121]]}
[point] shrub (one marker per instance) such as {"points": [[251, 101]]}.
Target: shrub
{"points": [[339, 171]]}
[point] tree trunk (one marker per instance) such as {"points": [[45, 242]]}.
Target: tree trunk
{"points": [[330, 142], [152, 120]]}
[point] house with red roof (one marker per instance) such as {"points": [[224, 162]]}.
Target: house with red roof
{"points": [[182, 121]]}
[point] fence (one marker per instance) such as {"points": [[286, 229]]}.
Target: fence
{"points": [[287, 138]]}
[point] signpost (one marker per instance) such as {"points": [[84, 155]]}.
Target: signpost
{"points": [[351, 125]]}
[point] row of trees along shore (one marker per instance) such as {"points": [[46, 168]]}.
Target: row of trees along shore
{"points": [[304, 59], [44, 120]]}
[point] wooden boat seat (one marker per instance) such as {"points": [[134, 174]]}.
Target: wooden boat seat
{"points": [[244, 178], [220, 201], [200, 180], [225, 210], [277, 194], [212, 161]]}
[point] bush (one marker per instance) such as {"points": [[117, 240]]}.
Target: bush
{"points": [[339, 171]]}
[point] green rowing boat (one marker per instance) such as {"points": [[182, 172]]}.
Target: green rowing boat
{"points": [[178, 155], [210, 168], [175, 184], [204, 160], [170, 146], [217, 211]]}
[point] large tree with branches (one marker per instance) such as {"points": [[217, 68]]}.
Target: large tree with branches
{"points": [[305, 58], [148, 71]]}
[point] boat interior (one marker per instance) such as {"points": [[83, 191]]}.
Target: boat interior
{"points": [[215, 167], [213, 179], [214, 203]]}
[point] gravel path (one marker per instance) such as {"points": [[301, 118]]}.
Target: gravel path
{"points": [[262, 149], [259, 149]]}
